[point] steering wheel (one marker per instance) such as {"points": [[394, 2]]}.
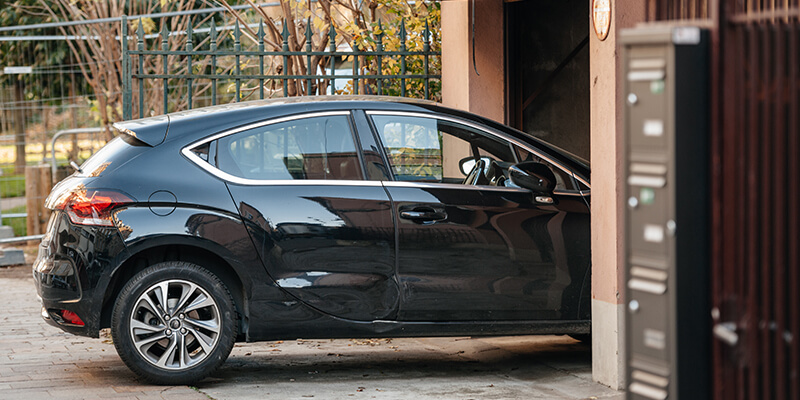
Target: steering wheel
{"points": [[475, 175]]}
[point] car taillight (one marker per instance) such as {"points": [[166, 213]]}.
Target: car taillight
{"points": [[91, 207]]}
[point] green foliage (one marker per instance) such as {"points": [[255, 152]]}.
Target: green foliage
{"points": [[34, 53], [363, 25], [12, 185], [398, 18]]}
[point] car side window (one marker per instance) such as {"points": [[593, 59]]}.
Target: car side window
{"points": [[435, 150], [308, 148]]}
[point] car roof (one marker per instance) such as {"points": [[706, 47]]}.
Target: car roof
{"points": [[154, 130]]}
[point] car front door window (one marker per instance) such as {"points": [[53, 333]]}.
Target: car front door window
{"points": [[432, 150]]}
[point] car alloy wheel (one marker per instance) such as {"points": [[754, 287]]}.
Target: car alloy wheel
{"points": [[173, 323]]}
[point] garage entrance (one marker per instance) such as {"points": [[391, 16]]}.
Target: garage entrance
{"points": [[547, 69]]}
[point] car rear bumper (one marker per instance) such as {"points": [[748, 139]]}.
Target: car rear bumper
{"points": [[71, 273]]}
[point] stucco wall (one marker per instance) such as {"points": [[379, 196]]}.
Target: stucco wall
{"points": [[462, 88], [606, 104]]}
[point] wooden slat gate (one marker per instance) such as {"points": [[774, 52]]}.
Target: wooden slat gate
{"points": [[755, 164]]}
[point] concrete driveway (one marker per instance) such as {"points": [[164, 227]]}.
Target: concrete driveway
{"points": [[38, 361]]}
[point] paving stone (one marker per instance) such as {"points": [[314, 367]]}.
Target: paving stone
{"points": [[35, 393], [38, 361]]}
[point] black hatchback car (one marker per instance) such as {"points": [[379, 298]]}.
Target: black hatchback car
{"points": [[334, 217]]}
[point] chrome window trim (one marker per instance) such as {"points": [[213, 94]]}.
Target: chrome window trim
{"points": [[492, 133], [578, 193], [431, 185], [188, 153]]}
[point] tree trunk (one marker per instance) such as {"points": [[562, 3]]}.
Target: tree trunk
{"points": [[45, 122], [19, 128], [73, 94]]}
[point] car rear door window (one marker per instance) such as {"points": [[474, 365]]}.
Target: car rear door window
{"points": [[309, 148]]}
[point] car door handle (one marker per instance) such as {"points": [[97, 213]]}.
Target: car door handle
{"points": [[544, 199], [423, 214]]}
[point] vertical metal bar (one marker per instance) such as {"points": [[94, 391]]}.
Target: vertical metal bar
{"points": [[332, 40], [140, 71], [663, 12], [189, 48], [778, 172], [766, 317], [403, 58], [127, 97], [426, 47], [165, 66], [751, 222], [260, 35], [284, 50], [379, 47], [738, 263], [213, 48], [720, 144], [237, 48], [793, 214], [308, 58], [355, 66]]}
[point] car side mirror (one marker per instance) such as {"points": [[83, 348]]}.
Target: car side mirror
{"points": [[533, 176], [466, 164]]}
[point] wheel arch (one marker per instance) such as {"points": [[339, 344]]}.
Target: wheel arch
{"points": [[193, 253]]}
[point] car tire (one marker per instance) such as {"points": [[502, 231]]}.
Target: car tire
{"points": [[179, 338]]}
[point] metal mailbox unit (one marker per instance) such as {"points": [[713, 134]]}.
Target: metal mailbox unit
{"points": [[667, 192]]}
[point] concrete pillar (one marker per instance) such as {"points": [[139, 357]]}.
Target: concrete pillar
{"points": [[462, 88], [607, 103]]}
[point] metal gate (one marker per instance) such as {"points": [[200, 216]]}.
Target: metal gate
{"points": [[755, 191], [199, 74], [43, 97]]}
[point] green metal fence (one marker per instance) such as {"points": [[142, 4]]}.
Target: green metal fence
{"points": [[201, 63]]}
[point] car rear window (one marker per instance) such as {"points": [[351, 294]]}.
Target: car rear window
{"points": [[307, 148]]}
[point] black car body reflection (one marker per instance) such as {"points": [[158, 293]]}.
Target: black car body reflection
{"points": [[332, 217]]}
